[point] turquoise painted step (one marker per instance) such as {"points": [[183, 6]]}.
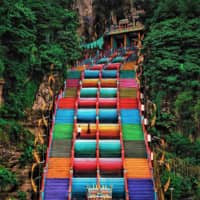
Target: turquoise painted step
{"points": [[117, 184], [85, 148], [127, 74], [108, 92], [79, 187], [110, 148], [88, 92], [73, 75]]}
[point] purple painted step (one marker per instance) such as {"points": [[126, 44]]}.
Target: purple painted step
{"points": [[140, 189], [56, 189]]}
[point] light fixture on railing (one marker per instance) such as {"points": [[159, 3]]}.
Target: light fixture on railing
{"points": [[45, 169], [148, 137], [152, 156], [142, 107], [141, 96], [145, 121]]}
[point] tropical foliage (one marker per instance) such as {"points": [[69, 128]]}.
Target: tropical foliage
{"points": [[171, 79], [33, 35], [7, 179]]}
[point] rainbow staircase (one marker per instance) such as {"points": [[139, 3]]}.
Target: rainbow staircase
{"points": [[139, 177], [112, 150]]}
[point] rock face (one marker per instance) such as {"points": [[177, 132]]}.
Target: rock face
{"points": [[84, 8], [9, 157], [91, 17], [43, 98]]}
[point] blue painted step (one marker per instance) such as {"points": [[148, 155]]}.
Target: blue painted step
{"points": [[140, 189], [79, 187], [130, 116], [56, 189]]}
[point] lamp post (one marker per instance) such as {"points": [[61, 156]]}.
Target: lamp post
{"points": [[171, 193]]}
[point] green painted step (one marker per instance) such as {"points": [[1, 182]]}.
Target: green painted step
{"points": [[70, 92], [128, 92], [135, 149], [110, 148], [127, 74], [108, 92], [74, 75], [132, 132], [61, 148], [62, 131]]}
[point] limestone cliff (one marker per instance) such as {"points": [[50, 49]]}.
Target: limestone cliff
{"points": [[85, 12], [96, 15]]}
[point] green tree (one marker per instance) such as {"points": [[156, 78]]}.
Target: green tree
{"points": [[171, 79], [21, 195], [26, 157], [7, 179], [33, 35]]}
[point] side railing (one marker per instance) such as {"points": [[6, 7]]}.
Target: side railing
{"points": [[45, 170], [143, 119], [121, 138], [74, 136]]}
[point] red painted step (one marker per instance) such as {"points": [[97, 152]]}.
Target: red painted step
{"points": [[67, 102], [128, 103]]}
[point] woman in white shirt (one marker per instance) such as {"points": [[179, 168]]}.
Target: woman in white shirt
{"points": [[79, 131]]}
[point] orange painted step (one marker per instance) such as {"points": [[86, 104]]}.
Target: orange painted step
{"points": [[108, 82], [58, 168], [129, 66], [90, 82], [137, 168], [105, 130], [84, 128], [81, 68], [109, 130]]}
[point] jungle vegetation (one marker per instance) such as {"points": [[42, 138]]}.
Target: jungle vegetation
{"points": [[33, 35], [171, 80]]}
